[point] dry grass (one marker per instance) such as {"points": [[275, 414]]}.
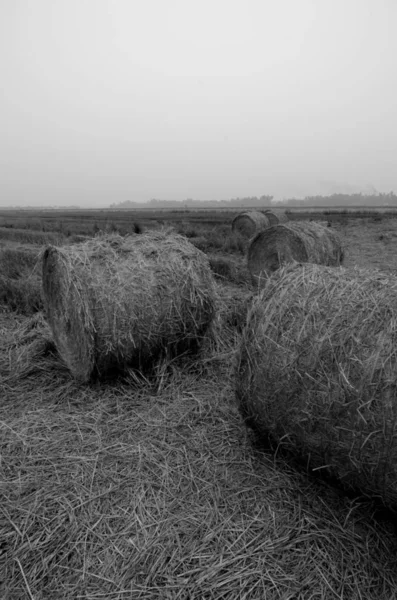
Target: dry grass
{"points": [[229, 269], [317, 373], [300, 241], [20, 280], [151, 492], [29, 236], [370, 243], [115, 302], [155, 489]]}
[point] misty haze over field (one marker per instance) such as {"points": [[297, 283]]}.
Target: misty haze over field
{"points": [[103, 102]]}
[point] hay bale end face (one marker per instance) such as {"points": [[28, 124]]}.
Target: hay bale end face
{"points": [[276, 216], [293, 241], [114, 302], [317, 373], [248, 223]]}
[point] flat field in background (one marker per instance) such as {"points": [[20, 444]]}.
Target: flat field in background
{"points": [[87, 222], [155, 489]]}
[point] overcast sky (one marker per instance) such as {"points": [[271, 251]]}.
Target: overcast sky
{"points": [[103, 101]]}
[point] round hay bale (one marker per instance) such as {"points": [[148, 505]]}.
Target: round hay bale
{"points": [[299, 241], [248, 223], [317, 373], [276, 216], [114, 302]]}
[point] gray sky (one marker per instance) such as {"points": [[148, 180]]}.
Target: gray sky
{"points": [[103, 101]]}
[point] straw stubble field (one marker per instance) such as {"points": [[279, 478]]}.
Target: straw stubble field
{"points": [[155, 489]]}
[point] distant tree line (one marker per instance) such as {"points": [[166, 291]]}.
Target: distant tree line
{"points": [[346, 200], [249, 201], [360, 199]]}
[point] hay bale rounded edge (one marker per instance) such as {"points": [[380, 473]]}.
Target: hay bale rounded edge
{"points": [[113, 302], [316, 373], [276, 216], [249, 222], [299, 241]]}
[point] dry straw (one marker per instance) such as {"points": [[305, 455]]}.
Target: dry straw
{"points": [[294, 241], [27, 349], [248, 223], [323, 223], [20, 279], [276, 216], [119, 491], [113, 302], [317, 373]]}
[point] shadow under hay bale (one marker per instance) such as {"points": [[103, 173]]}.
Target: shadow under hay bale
{"points": [[316, 373], [299, 241], [232, 304], [221, 267], [248, 223], [116, 302]]}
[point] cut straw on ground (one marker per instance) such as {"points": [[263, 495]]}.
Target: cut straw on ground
{"points": [[118, 490]]}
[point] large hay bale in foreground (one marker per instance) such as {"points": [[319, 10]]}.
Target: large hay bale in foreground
{"points": [[293, 241], [317, 373], [112, 302], [250, 222]]}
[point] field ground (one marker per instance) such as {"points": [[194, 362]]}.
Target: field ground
{"points": [[155, 489]]}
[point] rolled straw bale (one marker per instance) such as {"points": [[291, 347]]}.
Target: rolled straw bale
{"points": [[299, 241], [117, 301], [317, 373], [248, 223], [276, 216]]}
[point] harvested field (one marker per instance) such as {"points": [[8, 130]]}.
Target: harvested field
{"points": [[154, 489], [293, 241], [116, 302], [150, 492], [317, 373], [29, 236]]}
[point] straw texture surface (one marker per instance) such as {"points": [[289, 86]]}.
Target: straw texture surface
{"points": [[317, 373]]}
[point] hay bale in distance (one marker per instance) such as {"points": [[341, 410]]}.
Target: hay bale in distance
{"points": [[299, 241], [317, 373], [276, 216], [112, 302], [250, 222]]}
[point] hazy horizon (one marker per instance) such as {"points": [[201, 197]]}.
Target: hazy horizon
{"points": [[104, 102]]}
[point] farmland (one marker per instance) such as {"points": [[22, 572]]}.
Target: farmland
{"points": [[153, 488]]}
